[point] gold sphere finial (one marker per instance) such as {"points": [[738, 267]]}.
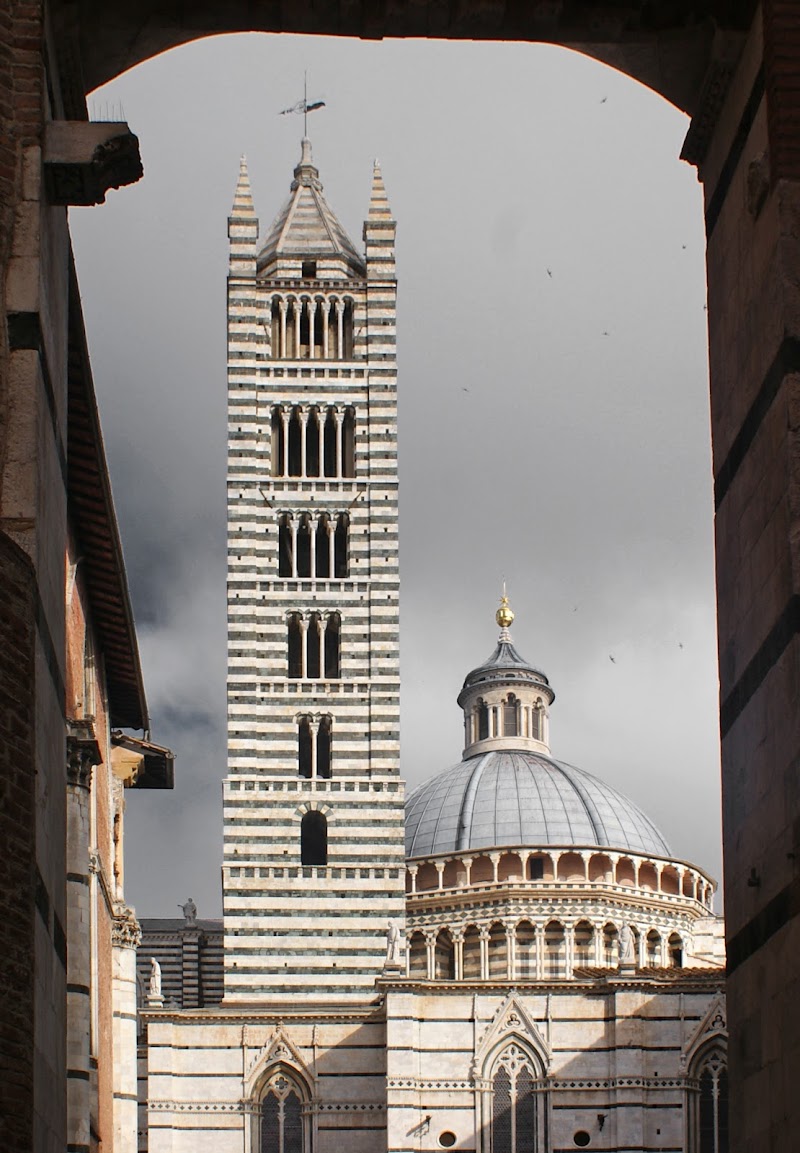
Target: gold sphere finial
{"points": [[505, 614]]}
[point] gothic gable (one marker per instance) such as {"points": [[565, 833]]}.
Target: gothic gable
{"points": [[511, 1023]]}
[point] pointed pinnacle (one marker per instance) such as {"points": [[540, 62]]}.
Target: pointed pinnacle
{"points": [[378, 202], [243, 198]]}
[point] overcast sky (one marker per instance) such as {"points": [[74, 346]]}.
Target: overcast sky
{"points": [[554, 422]]}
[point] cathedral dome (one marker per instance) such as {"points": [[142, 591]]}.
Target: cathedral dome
{"points": [[508, 790], [518, 797]]}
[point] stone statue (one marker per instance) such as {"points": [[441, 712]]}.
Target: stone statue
{"points": [[392, 945], [154, 988], [189, 912], [625, 945]]}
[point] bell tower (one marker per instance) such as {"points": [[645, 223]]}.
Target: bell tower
{"points": [[313, 869]]}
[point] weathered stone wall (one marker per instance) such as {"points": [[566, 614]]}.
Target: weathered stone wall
{"points": [[752, 193]]}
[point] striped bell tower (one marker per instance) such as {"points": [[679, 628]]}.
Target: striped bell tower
{"points": [[313, 870]]}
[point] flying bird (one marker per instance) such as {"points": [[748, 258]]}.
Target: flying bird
{"points": [[549, 273], [604, 100], [612, 659]]}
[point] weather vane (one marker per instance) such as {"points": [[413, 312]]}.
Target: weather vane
{"points": [[303, 105]]}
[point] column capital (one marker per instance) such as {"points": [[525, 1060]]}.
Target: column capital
{"points": [[83, 752], [126, 932]]}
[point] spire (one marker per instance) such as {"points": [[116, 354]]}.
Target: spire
{"points": [[243, 198], [305, 172], [307, 229], [504, 617], [379, 210]]}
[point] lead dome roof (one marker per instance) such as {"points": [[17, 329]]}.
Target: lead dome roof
{"points": [[509, 797]]}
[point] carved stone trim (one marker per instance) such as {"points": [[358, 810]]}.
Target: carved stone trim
{"points": [[83, 753], [126, 932]]}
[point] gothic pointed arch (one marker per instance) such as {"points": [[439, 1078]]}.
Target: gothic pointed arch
{"points": [[278, 1052], [511, 1024], [713, 1028], [705, 1061]]}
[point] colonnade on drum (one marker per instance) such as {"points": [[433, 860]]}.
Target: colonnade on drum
{"points": [[533, 950], [568, 867]]}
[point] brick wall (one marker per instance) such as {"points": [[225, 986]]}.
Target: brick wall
{"points": [[17, 861]]}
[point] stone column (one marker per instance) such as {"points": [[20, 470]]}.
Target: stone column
{"points": [[440, 872], [282, 345], [125, 937], [83, 753], [303, 437], [569, 948], [539, 936], [337, 416], [339, 330], [286, 416], [313, 727], [458, 949], [430, 950], [484, 954]]}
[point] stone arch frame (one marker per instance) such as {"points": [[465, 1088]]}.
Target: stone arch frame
{"points": [[511, 1028], [279, 1057], [709, 1040]]}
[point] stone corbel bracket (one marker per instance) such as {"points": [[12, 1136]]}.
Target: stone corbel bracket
{"points": [[84, 159]]}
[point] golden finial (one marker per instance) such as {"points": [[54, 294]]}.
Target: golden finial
{"points": [[504, 615]]}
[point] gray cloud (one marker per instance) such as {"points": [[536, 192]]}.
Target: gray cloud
{"points": [[554, 428]]}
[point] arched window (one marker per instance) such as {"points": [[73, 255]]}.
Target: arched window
{"points": [[277, 351], [324, 748], [332, 661], [323, 548], [515, 1120], [418, 956], [278, 456], [304, 747], [314, 839], [653, 942], [498, 952], [340, 547], [584, 943], [313, 646], [295, 451], [610, 946], [510, 716], [708, 1104], [444, 957], [330, 443], [471, 954], [304, 546], [483, 721], [536, 721], [525, 951], [349, 443], [555, 950], [285, 551], [312, 443], [280, 1123], [295, 646], [347, 334], [675, 948]]}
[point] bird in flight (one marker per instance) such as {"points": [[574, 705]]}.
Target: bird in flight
{"points": [[612, 659], [604, 100], [549, 273]]}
